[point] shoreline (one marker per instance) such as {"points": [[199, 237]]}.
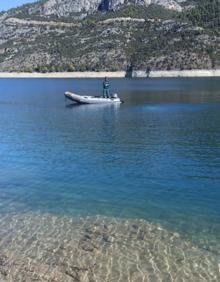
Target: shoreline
{"points": [[117, 74]]}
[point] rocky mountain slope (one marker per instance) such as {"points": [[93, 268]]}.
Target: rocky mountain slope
{"points": [[69, 35], [81, 8]]}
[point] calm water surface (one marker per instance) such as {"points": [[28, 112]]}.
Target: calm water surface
{"points": [[155, 157]]}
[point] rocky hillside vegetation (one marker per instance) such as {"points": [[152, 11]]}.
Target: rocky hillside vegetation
{"points": [[95, 35]]}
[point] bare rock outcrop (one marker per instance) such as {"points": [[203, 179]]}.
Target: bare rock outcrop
{"points": [[62, 8]]}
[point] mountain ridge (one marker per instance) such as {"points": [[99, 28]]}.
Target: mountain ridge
{"points": [[62, 8]]}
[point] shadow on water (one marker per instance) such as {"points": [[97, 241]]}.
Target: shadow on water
{"points": [[72, 105]]}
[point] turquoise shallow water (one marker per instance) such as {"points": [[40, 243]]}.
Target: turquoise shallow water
{"points": [[155, 157]]}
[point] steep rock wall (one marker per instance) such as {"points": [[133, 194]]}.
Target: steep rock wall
{"points": [[63, 8]]}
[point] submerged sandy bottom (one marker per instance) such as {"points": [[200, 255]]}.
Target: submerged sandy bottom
{"points": [[36, 247]]}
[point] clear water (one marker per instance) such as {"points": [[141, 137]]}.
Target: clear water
{"points": [[156, 157]]}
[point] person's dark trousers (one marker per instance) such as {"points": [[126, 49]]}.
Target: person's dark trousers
{"points": [[106, 93]]}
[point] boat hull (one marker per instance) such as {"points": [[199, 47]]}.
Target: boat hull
{"points": [[91, 99]]}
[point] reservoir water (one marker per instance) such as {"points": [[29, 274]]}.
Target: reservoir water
{"points": [[126, 192]]}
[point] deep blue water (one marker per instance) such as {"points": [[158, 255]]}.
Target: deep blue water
{"points": [[157, 156]]}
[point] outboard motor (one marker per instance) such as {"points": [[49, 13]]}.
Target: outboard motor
{"points": [[115, 96]]}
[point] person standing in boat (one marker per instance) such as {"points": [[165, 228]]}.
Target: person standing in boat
{"points": [[106, 88]]}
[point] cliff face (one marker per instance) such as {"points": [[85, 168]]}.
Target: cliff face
{"points": [[62, 8]]}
